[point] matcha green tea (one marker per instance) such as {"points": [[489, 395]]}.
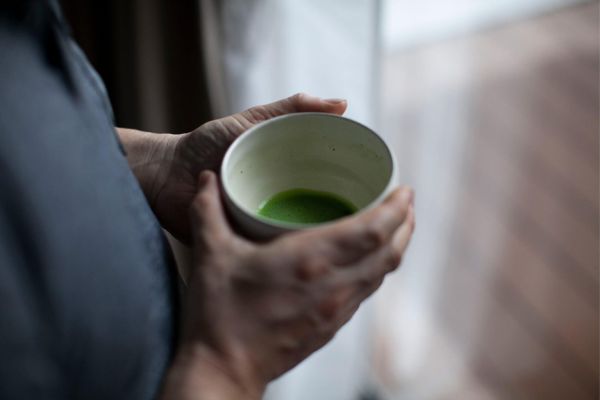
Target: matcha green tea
{"points": [[305, 206]]}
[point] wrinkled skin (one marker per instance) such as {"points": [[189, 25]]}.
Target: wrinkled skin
{"points": [[253, 311], [169, 167]]}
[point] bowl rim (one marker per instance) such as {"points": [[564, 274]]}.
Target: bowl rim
{"points": [[290, 226]]}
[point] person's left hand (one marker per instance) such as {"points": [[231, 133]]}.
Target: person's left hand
{"points": [[167, 167]]}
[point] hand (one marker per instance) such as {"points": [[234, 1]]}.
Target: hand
{"points": [[253, 311], [167, 165]]}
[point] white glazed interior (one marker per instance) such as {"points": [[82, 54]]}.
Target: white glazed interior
{"points": [[310, 151]]}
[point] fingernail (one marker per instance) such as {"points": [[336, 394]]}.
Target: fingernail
{"points": [[334, 101]]}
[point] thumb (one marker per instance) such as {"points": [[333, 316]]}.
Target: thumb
{"points": [[300, 102], [210, 228]]}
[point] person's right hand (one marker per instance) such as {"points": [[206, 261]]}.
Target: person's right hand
{"points": [[254, 311]]}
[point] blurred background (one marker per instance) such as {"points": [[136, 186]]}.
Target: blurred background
{"points": [[492, 110]]}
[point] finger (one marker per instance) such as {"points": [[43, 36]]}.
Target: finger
{"points": [[336, 300], [354, 284], [339, 307], [402, 238], [375, 266], [300, 102], [209, 224], [232, 126], [355, 237]]}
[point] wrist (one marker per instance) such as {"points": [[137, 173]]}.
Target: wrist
{"points": [[150, 156], [198, 373]]}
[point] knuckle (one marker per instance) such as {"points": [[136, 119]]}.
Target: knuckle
{"points": [[217, 238], [395, 197], [309, 269], [365, 280], [329, 308], [394, 258], [328, 335], [374, 237], [201, 202], [256, 114], [297, 97], [397, 204]]}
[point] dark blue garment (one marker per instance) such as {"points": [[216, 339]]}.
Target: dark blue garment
{"points": [[87, 295]]}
